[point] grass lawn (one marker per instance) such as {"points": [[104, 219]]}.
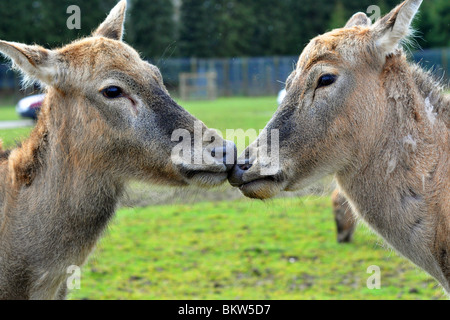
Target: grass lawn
{"points": [[11, 137], [281, 249], [8, 113], [233, 113]]}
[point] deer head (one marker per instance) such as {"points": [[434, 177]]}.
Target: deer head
{"points": [[110, 110], [335, 109]]}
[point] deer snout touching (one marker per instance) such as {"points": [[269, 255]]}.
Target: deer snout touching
{"points": [[227, 154], [236, 175], [256, 177], [211, 165]]}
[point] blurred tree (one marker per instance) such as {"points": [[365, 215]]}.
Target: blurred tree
{"points": [[339, 16], [306, 19], [152, 27], [45, 22], [225, 28], [210, 28], [432, 24], [198, 28], [53, 24], [441, 19], [269, 26], [234, 23], [19, 20]]}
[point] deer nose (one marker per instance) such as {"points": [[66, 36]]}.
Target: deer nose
{"points": [[236, 175], [228, 152], [246, 166]]}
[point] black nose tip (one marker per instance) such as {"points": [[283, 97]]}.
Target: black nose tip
{"points": [[228, 153], [246, 166], [236, 175]]}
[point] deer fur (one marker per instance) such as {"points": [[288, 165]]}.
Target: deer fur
{"points": [[343, 216], [381, 127], [60, 187]]}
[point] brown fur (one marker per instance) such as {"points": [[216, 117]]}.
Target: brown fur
{"points": [[60, 188], [343, 216], [382, 127]]}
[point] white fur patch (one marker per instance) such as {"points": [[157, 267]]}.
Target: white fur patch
{"points": [[409, 143], [429, 109], [391, 166]]}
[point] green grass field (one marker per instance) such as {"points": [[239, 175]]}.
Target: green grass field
{"points": [[8, 113], [281, 249], [11, 137], [241, 113], [241, 249], [233, 113]]}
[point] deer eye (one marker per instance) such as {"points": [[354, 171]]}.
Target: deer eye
{"points": [[112, 92], [326, 80]]}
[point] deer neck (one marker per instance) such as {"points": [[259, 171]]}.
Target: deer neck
{"points": [[397, 187], [57, 212], [80, 185]]}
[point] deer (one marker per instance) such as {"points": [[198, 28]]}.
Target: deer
{"points": [[356, 108], [343, 217], [107, 119]]}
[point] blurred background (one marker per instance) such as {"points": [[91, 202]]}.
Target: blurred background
{"points": [[226, 62], [238, 47]]}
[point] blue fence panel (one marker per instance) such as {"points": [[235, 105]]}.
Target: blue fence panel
{"points": [[8, 78], [436, 60], [253, 76]]}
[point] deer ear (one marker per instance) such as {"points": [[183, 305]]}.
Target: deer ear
{"points": [[112, 27], [35, 62], [359, 19], [390, 30]]}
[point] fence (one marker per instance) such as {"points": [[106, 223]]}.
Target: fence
{"points": [[437, 60], [266, 75], [198, 86], [247, 76], [235, 76], [8, 79]]}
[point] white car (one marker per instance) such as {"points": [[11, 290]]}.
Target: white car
{"points": [[281, 96], [28, 107]]}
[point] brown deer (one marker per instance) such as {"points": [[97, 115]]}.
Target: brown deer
{"points": [[343, 216], [107, 119], [355, 107]]}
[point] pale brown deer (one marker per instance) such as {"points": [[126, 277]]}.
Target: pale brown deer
{"points": [[343, 217], [355, 107], [107, 119]]}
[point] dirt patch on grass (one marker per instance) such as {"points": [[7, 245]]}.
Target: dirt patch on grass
{"points": [[143, 195]]}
